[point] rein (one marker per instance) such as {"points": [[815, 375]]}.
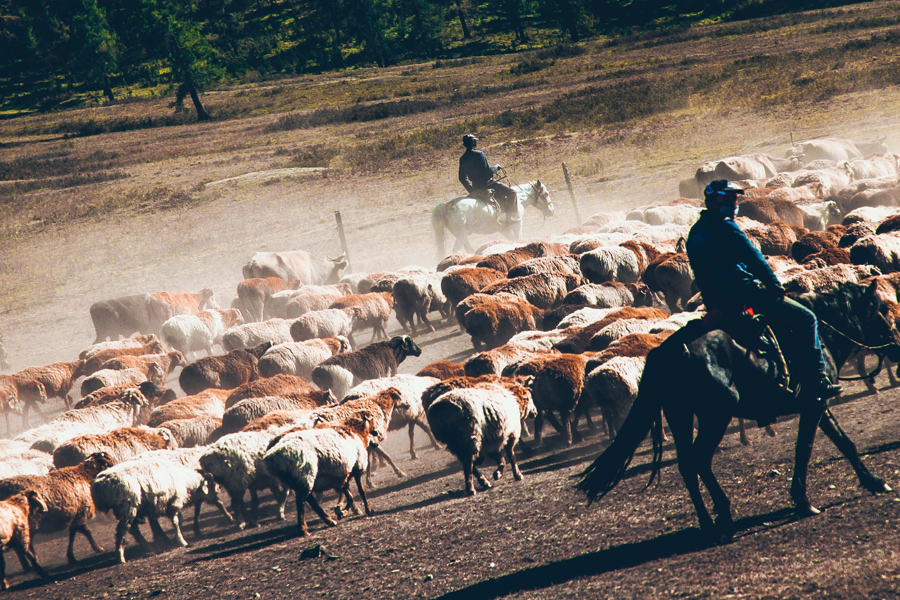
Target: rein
{"points": [[877, 369]]}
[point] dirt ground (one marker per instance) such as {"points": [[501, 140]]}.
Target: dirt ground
{"points": [[535, 538]]}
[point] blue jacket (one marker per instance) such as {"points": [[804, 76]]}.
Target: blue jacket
{"points": [[727, 267], [474, 171]]}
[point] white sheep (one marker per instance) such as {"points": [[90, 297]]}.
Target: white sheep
{"points": [[408, 411], [481, 422], [300, 358], [612, 387], [324, 458], [610, 263], [331, 322], [881, 250], [193, 431], [235, 462], [17, 458], [250, 335], [155, 484], [113, 377], [195, 333]]}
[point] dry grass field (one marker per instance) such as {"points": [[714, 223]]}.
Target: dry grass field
{"points": [[123, 199]]}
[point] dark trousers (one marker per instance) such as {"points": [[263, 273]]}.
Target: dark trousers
{"points": [[504, 195], [791, 320]]}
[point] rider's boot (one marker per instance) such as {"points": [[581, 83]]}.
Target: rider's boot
{"points": [[820, 388]]}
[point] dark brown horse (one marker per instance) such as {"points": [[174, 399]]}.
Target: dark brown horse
{"points": [[714, 379]]}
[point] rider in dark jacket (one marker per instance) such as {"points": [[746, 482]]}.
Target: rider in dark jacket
{"points": [[732, 274], [476, 175]]}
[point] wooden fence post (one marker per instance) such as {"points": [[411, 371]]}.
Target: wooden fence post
{"points": [[571, 193], [340, 228]]}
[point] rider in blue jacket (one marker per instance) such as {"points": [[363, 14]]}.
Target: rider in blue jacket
{"points": [[732, 274], [476, 175]]}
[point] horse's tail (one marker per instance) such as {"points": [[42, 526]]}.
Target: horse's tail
{"points": [[608, 469], [439, 222]]}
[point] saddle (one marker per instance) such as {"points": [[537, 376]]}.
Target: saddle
{"points": [[487, 196]]}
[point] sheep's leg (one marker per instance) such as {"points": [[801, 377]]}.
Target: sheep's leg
{"points": [[501, 464], [770, 430], [159, 536], [318, 509], [424, 319], [176, 522], [539, 429], [32, 558], [745, 441], [137, 535], [253, 517], [567, 424], [468, 467], [344, 492], [412, 441], [362, 493], [551, 418], [280, 495], [481, 478], [427, 429], [382, 453], [525, 428], [237, 509], [4, 585], [511, 455], [121, 530], [302, 529]]}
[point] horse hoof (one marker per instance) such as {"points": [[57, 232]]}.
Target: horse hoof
{"points": [[887, 488], [807, 510]]}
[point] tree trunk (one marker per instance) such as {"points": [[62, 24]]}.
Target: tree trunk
{"points": [[202, 115], [462, 20], [107, 89]]}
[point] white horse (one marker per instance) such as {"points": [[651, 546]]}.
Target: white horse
{"points": [[464, 215]]}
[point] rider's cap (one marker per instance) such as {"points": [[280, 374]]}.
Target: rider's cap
{"points": [[721, 188], [469, 139]]}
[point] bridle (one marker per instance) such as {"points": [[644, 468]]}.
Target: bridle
{"points": [[875, 349]]}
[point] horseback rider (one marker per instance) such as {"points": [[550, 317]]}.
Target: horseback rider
{"points": [[477, 176], [733, 275]]}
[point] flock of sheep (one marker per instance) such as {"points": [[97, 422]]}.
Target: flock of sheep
{"points": [[277, 392]]}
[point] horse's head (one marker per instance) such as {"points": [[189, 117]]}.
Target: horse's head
{"points": [[539, 197]]}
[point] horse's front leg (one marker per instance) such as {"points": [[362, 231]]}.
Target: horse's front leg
{"points": [[709, 435], [871, 482], [806, 435], [681, 424]]}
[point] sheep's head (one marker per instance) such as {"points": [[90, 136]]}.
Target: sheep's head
{"points": [[99, 461]]}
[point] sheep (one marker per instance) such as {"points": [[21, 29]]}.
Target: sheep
{"points": [[254, 292], [417, 294], [191, 334], [328, 323], [774, 238], [96, 361], [155, 484], [192, 431], [610, 294], [234, 462], [131, 410], [492, 319], [277, 385], [15, 531], [478, 422], [610, 263], [442, 369], [224, 372], [21, 394], [138, 340], [119, 444], [300, 358], [613, 387], [556, 388], [462, 283], [115, 377], [167, 362], [208, 403], [670, 274], [408, 411], [238, 416], [458, 259], [817, 280], [381, 359], [581, 316], [504, 261], [769, 210], [578, 341], [156, 395], [325, 457], [67, 499], [311, 298], [250, 335], [543, 290], [57, 378], [493, 361], [16, 458], [374, 311], [813, 242], [879, 250]]}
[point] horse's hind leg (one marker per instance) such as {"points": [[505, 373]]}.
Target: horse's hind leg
{"points": [[871, 482], [682, 427]]}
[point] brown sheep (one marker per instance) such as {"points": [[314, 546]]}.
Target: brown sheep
{"points": [[557, 385], [58, 378], [167, 362], [16, 513], [95, 362], [670, 274], [826, 257], [775, 238], [120, 444], [155, 394], [277, 385], [542, 290], [254, 292], [224, 372], [493, 322], [67, 495], [812, 242], [504, 261], [458, 259], [565, 265], [770, 210], [375, 311], [21, 394], [209, 402], [442, 369], [462, 283], [578, 341], [247, 411]]}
